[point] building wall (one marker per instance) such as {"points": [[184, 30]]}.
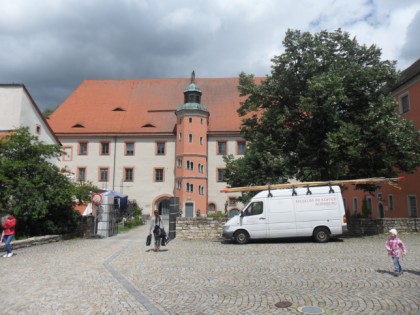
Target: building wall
{"points": [[394, 202], [18, 110], [143, 188]]}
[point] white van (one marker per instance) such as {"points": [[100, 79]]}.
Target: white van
{"points": [[316, 212]]}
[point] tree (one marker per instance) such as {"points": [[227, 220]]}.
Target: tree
{"points": [[39, 195], [324, 113], [47, 112]]}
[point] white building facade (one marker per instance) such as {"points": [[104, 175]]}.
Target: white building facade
{"points": [[133, 138]]}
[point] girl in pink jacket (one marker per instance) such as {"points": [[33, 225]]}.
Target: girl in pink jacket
{"points": [[396, 249]]}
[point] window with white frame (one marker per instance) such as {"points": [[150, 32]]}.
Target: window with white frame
{"points": [[103, 174], [221, 147], [190, 187], [241, 147], [159, 175], [104, 148], [221, 174], [81, 174], [128, 174], [160, 148], [129, 148], [83, 148]]}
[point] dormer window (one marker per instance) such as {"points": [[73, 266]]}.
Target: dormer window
{"points": [[78, 126], [118, 109]]}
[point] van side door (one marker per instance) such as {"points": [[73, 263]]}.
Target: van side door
{"points": [[253, 219], [281, 219]]}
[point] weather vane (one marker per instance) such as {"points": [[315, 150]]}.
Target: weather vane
{"points": [[193, 77]]}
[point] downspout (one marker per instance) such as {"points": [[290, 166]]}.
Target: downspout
{"points": [[115, 156]]}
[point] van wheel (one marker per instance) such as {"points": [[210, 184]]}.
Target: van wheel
{"points": [[321, 235], [241, 237]]}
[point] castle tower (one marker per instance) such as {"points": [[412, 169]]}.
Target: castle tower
{"points": [[191, 152]]}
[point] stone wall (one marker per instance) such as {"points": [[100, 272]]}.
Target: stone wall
{"points": [[359, 227], [200, 228], [211, 228], [33, 241]]}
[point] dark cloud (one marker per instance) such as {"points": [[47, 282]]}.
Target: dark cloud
{"points": [[51, 46]]}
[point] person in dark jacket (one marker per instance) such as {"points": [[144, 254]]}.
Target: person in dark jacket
{"points": [[156, 225], [8, 233]]}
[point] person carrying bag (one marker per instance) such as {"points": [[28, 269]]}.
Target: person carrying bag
{"points": [[156, 224]]}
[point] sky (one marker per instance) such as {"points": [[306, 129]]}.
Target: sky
{"points": [[51, 46]]}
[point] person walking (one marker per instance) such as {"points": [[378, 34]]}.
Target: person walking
{"points": [[156, 223], [8, 233], [396, 249]]}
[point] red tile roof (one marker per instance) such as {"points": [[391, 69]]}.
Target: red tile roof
{"points": [[118, 107]]}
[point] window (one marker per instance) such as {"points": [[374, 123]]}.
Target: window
{"points": [[232, 201], [159, 175], [103, 174], [128, 174], [201, 120], [354, 205], [212, 207], [129, 148], [190, 187], [221, 175], [241, 147], [190, 165], [38, 129], [160, 148], [83, 148], [390, 202], [190, 120], [67, 154], [201, 190], [190, 138], [404, 104], [221, 147], [104, 148], [201, 140], [412, 206], [369, 204], [179, 163], [254, 208], [81, 174], [178, 184], [180, 136]]}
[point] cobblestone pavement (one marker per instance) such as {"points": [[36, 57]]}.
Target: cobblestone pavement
{"points": [[120, 275]]}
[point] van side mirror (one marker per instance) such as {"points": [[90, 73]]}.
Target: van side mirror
{"points": [[242, 214]]}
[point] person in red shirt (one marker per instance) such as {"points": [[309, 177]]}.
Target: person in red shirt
{"points": [[8, 233]]}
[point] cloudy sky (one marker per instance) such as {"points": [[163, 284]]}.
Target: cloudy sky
{"points": [[51, 46]]}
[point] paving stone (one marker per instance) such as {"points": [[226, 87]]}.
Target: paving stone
{"points": [[120, 275]]}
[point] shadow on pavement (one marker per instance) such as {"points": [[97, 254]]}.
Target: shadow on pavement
{"points": [[284, 241]]}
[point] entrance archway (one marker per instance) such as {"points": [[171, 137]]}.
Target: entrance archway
{"points": [[163, 206]]}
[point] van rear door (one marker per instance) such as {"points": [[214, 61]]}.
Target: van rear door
{"points": [[281, 219]]}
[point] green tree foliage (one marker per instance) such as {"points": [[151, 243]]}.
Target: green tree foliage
{"points": [[47, 112], [39, 195], [324, 113]]}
